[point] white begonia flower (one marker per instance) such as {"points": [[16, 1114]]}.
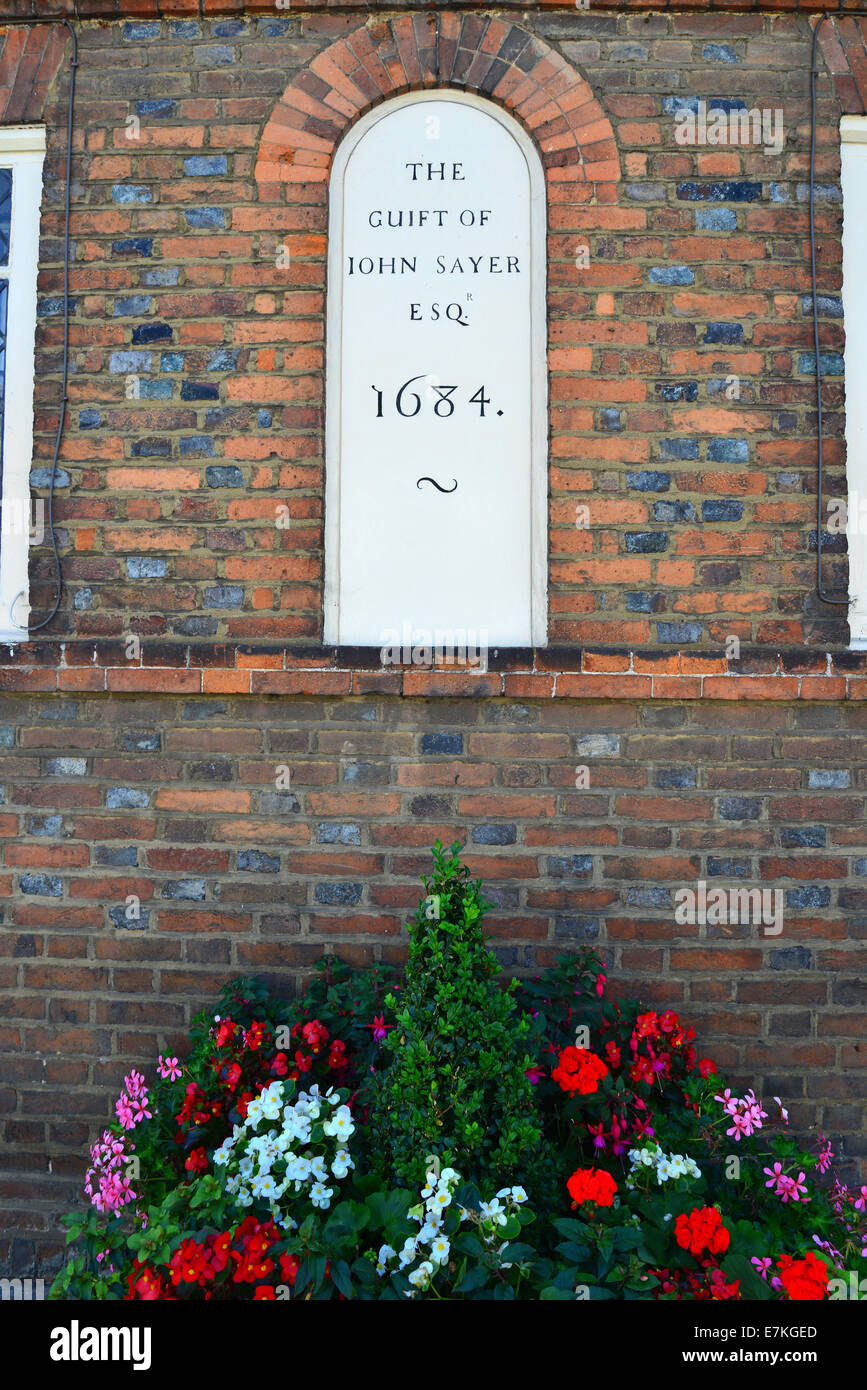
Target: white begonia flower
{"points": [[254, 1112], [223, 1153], [246, 1166], [320, 1195], [264, 1186], [319, 1168], [439, 1250], [493, 1211], [408, 1253], [244, 1198], [449, 1175], [519, 1195], [421, 1276], [429, 1230], [341, 1125], [441, 1199]]}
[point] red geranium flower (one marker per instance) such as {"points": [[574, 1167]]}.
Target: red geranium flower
{"points": [[701, 1230], [805, 1279], [579, 1070], [592, 1185]]}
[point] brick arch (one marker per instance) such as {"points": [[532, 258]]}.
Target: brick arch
{"points": [[843, 42], [492, 57], [29, 61]]}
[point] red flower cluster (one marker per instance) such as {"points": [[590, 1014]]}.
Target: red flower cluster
{"points": [[707, 1285], [592, 1185], [579, 1070], [701, 1231], [313, 1036], [243, 1255], [805, 1279]]}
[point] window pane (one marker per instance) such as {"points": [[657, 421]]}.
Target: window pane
{"points": [[5, 222]]}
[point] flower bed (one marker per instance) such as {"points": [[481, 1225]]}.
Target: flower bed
{"points": [[438, 1136]]}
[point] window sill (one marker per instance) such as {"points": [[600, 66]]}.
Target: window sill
{"points": [[515, 673]]}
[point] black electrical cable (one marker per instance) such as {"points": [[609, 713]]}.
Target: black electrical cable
{"points": [[30, 23], [820, 593]]}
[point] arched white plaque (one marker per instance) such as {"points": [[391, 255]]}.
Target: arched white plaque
{"points": [[436, 387]]}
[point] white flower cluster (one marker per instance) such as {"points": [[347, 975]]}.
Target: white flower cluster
{"points": [[284, 1148], [667, 1167], [430, 1248]]}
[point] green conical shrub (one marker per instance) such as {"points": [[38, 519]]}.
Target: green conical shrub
{"points": [[456, 1084]]}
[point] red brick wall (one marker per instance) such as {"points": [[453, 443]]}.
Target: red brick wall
{"points": [[701, 507]]}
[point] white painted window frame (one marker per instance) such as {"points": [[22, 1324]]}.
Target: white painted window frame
{"points": [[538, 461], [853, 179], [22, 149]]}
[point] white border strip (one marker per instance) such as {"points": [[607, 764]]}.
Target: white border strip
{"points": [[538, 335]]}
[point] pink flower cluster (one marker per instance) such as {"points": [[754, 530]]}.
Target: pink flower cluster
{"points": [[746, 1114], [131, 1106], [106, 1185], [788, 1188]]}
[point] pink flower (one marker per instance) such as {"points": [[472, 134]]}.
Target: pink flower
{"points": [[168, 1068], [785, 1187], [826, 1153], [784, 1114], [861, 1202], [762, 1264], [124, 1112], [600, 985], [141, 1110], [533, 1074]]}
